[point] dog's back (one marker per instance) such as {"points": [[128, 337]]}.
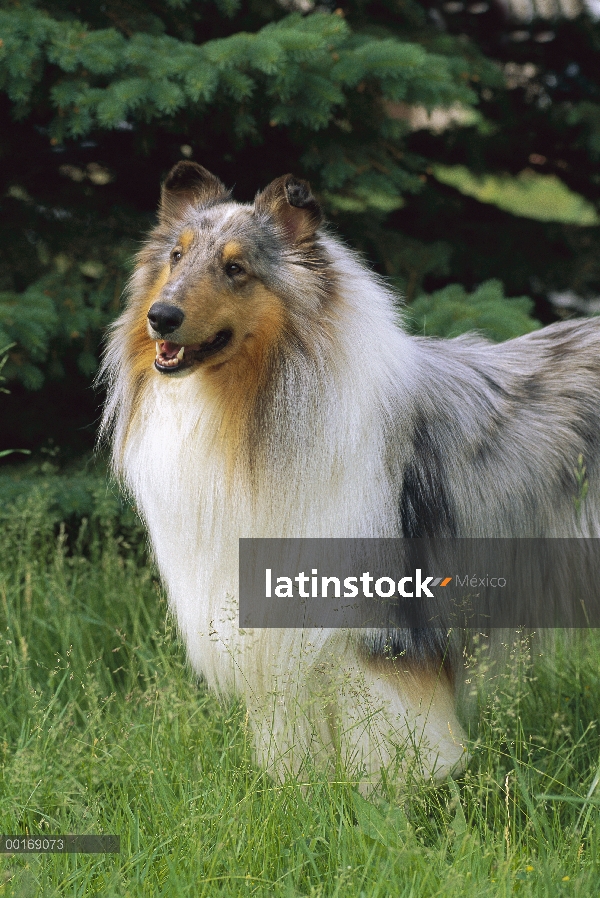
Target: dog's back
{"points": [[497, 434]]}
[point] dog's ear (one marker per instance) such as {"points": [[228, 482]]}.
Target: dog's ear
{"points": [[189, 184], [289, 201]]}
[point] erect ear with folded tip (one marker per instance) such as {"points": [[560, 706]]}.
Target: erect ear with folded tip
{"points": [[289, 201], [189, 184]]}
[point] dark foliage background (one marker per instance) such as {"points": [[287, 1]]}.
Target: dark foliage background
{"points": [[98, 100]]}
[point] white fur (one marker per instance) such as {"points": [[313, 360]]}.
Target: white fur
{"points": [[310, 692]]}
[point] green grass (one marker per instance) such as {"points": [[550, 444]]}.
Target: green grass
{"points": [[104, 730], [529, 194]]}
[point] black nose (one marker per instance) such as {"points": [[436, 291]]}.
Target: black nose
{"points": [[165, 318]]}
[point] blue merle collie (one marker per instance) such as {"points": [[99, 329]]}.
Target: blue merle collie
{"points": [[260, 384]]}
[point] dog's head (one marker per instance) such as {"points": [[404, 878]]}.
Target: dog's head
{"points": [[220, 281]]}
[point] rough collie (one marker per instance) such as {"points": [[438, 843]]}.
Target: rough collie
{"points": [[260, 384]]}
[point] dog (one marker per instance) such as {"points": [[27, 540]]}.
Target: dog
{"points": [[260, 384]]}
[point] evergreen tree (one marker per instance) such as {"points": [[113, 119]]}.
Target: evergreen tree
{"points": [[98, 100]]}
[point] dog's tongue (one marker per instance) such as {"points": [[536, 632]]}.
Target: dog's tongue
{"points": [[169, 350]]}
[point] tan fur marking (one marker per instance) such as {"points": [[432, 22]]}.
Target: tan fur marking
{"points": [[142, 351], [420, 683], [231, 251], [236, 382], [185, 239]]}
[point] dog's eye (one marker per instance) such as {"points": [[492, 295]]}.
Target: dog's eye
{"points": [[176, 255], [232, 268]]}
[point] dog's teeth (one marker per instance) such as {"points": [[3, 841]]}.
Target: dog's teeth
{"points": [[180, 353]]}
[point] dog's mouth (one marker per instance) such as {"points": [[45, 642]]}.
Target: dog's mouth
{"points": [[172, 357]]}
